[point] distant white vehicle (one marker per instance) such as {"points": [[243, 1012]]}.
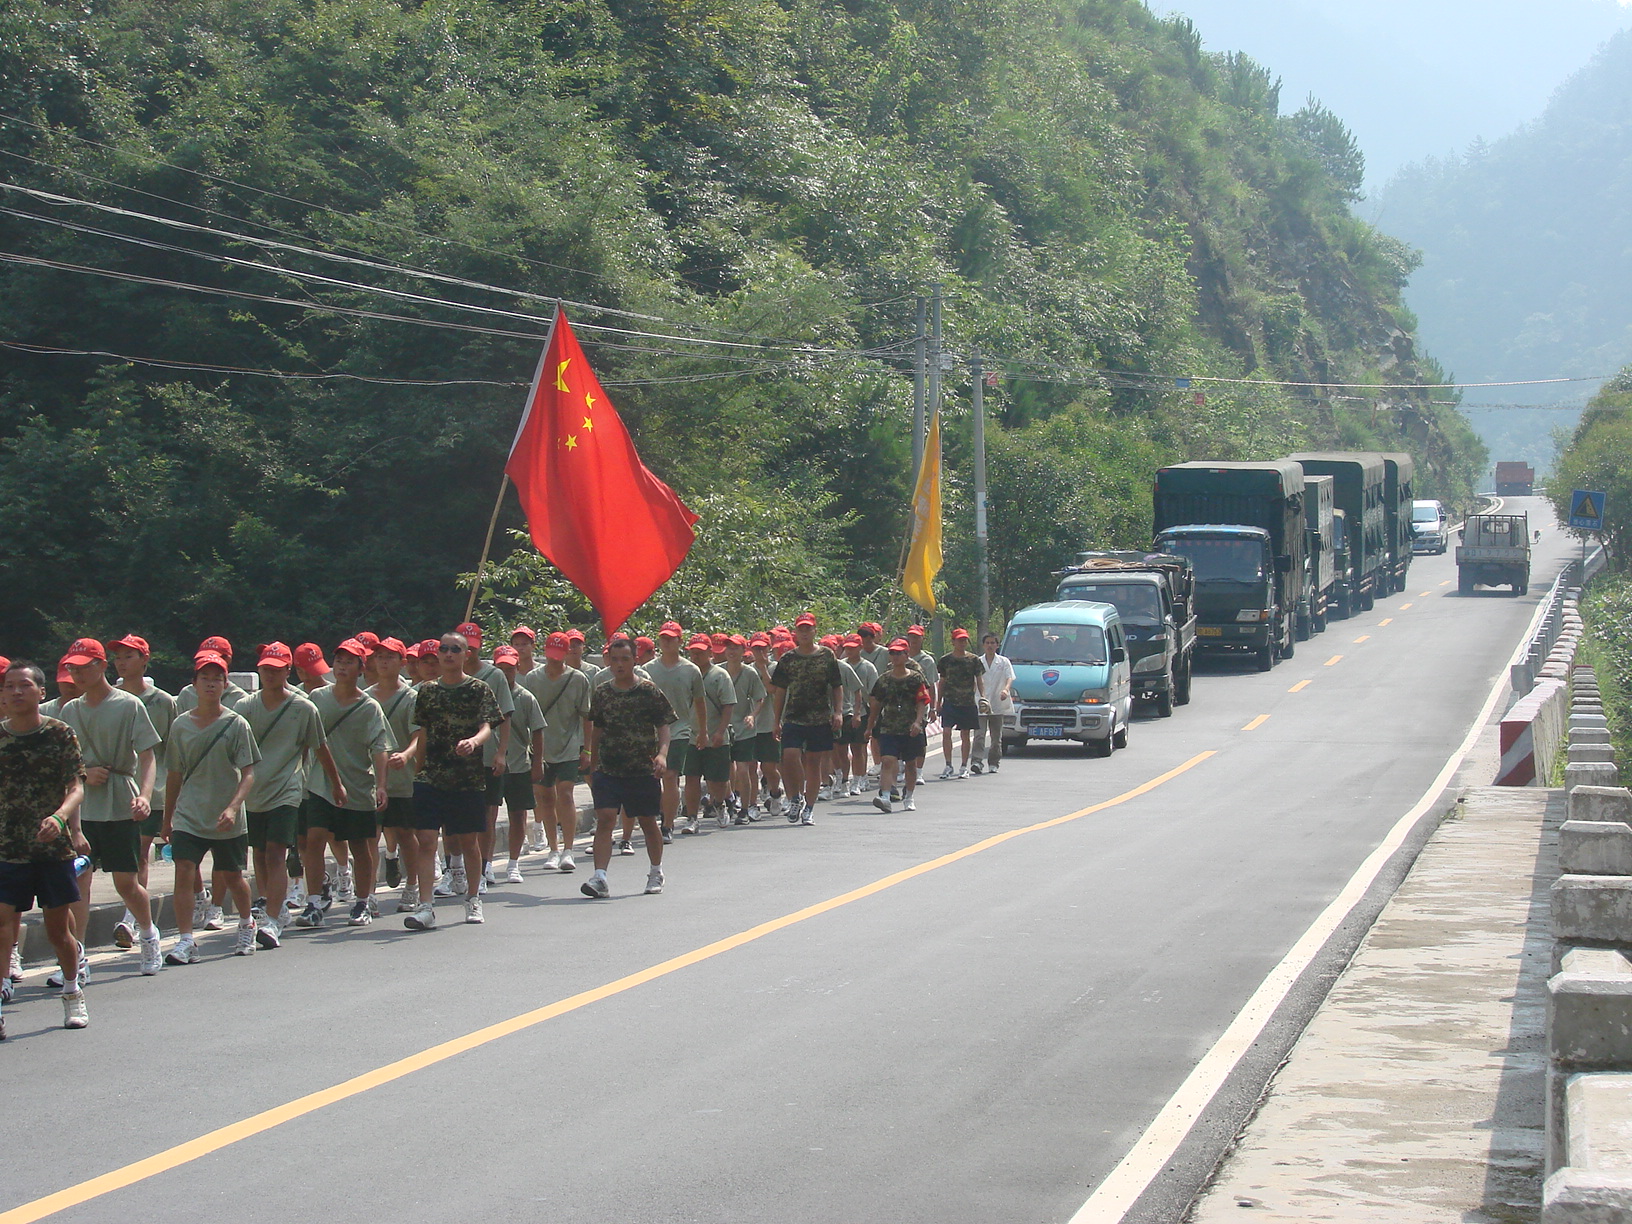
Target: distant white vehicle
{"points": [[1430, 527]]}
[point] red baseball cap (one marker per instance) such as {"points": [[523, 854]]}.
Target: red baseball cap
{"points": [[219, 645], [506, 654], [555, 646], [806, 618], [670, 629], [736, 639], [369, 639], [867, 628], [471, 632], [760, 640], [275, 654], [132, 642], [575, 635], [208, 658], [916, 629], [853, 640], [646, 642], [958, 634], [429, 648], [523, 631], [64, 676], [700, 641], [780, 630], [899, 646], [83, 651], [719, 641], [5, 665], [309, 657], [830, 640], [352, 647], [393, 645]]}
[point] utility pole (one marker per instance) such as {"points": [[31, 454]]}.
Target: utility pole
{"points": [[919, 422], [978, 403], [936, 627]]}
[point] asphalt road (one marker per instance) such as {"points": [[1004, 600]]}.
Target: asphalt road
{"points": [[983, 1039]]}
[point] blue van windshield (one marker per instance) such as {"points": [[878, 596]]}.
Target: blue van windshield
{"points": [[1056, 644], [1220, 560]]}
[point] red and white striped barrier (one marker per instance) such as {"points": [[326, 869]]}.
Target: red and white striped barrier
{"points": [[1532, 733]]}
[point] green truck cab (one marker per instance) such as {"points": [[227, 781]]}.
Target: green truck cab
{"points": [[1155, 597], [1072, 677], [1242, 527]]}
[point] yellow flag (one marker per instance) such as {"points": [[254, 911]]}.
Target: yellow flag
{"points": [[924, 557]]}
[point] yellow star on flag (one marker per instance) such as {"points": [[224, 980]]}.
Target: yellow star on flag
{"points": [[572, 442], [561, 376], [589, 401], [589, 424]]}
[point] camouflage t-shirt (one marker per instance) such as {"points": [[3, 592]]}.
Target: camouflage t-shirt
{"points": [[628, 720], [958, 679], [809, 681], [899, 699], [36, 770], [448, 713]]}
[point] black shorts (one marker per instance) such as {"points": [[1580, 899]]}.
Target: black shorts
{"points": [[919, 745], [711, 763], [807, 738], [901, 747], [638, 797], [959, 718], [745, 750], [226, 853], [853, 731], [557, 772], [767, 751], [400, 813], [116, 845], [495, 788], [342, 824], [53, 883], [518, 791], [279, 826], [456, 813]]}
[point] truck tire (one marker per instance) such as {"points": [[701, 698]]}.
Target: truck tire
{"points": [[1343, 605], [1266, 656], [1464, 583], [1320, 619], [1521, 588], [1119, 738], [1290, 646], [1181, 691], [1099, 748], [1368, 598], [1301, 630], [1164, 697]]}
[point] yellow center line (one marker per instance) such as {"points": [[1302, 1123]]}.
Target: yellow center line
{"points": [[1387, 620], [1447, 582], [1256, 723], [1300, 686], [1364, 637], [1328, 663], [1403, 607], [237, 1132], [1424, 594]]}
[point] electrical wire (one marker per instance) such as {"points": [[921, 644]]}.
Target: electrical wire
{"points": [[43, 350]]}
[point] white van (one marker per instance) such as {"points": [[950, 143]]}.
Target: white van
{"points": [[1430, 527]]}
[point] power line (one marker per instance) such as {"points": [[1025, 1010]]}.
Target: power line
{"points": [[43, 350]]}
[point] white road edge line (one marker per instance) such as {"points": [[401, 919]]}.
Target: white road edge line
{"points": [[1133, 1175]]}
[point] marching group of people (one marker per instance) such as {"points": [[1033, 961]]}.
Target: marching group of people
{"points": [[388, 764]]}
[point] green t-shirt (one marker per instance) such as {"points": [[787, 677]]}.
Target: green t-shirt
{"points": [[718, 693], [36, 771], [209, 759], [286, 736], [879, 657], [958, 679], [528, 717], [855, 697], [563, 705], [809, 681], [355, 733], [110, 735], [187, 699], [628, 720], [899, 700], [161, 708], [926, 664], [494, 679], [750, 691], [399, 716], [682, 684]]}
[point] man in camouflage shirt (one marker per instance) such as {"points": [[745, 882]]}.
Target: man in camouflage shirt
{"points": [[40, 794], [807, 689], [628, 751]]}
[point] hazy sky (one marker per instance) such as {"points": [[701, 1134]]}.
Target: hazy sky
{"points": [[1412, 78]]}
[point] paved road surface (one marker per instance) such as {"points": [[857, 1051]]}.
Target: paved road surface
{"points": [[983, 1038]]}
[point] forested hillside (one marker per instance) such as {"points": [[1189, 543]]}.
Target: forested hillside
{"points": [[1527, 272], [745, 199]]}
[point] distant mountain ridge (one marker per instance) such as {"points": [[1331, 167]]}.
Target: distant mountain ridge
{"points": [[1527, 254]]}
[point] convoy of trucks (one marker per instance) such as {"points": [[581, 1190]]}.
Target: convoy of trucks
{"points": [[1247, 559]]}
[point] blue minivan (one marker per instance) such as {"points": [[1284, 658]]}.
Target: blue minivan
{"points": [[1072, 680]]}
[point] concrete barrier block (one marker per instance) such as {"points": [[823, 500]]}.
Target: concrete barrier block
{"points": [[1589, 1012], [1595, 773], [1600, 803], [1590, 753], [1596, 908], [1588, 720], [1590, 735], [1595, 847]]}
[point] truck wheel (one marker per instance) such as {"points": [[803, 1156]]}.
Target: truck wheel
{"points": [[1521, 588], [1266, 656], [1300, 628], [1320, 621], [1099, 748], [1119, 738], [1368, 599], [1290, 646], [1181, 692], [1343, 605], [1464, 584], [1164, 698]]}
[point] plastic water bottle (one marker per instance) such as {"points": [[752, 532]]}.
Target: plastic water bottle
{"points": [[82, 864]]}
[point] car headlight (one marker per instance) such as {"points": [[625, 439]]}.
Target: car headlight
{"points": [[1095, 696], [1252, 614], [1151, 663]]}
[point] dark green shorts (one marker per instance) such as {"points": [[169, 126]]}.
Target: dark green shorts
{"points": [[279, 826], [518, 791], [399, 814], [342, 824], [711, 763], [495, 789], [226, 853], [154, 824], [556, 772], [768, 748], [746, 749], [116, 845]]}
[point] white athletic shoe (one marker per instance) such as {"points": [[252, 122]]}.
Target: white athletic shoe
{"points": [[808, 815], [873, 771], [245, 945], [566, 861], [346, 893], [473, 911], [883, 804], [201, 906], [409, 901], [184, 953], [722, 816], [124, 934], [654, 880], [948, 772], [422, 919], [552, 861], [74, 1015], [487, 875], [16, 972], [907, 805], [513, 876], [824, 794], [755, 814], [269, 933], [964, 772], [296, 900], [152, 961], [595, 888], [214, 919]]}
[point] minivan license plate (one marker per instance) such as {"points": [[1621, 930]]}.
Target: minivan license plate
{"points": [[1047, 732]]}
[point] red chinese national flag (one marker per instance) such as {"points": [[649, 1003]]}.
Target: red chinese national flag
{"points": [[615, 530]]}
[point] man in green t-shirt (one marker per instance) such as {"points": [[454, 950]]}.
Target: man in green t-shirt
{"points": [[526, 745], [681, 682], [130, 655], [962, 691], [924, 662], [746, 715], [209, 761], [187, 698], [708, 757], [116, 744], [563, 697], [866, 676], [398, 821]]}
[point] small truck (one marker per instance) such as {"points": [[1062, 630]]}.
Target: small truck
{"points": [[1494, 551]]}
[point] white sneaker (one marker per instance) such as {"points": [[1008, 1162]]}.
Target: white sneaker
{"points": [[83, 976], [74, 1015], [269, 933], [566, 861], [124, 934], [977, 768], [883, 804], [152, 962], [346, 893], [473, 911], [755, 814], [296, 900], [513, 876], [214, 919], [722, 816], [15, 974], [184, 953], [824, 794], [481, 886], [201, 906], [689, 825], [443, 887], [409, 901], [773, 805], [907, 805], [595, 888], [422, 919], [873, 770], [948, 772], [964, 772], [487, 875], [246, 939], [552, 861], [360, 915], [311, 916], [808, 815], [654, 880]]}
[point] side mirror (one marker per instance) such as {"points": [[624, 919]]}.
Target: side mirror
{"points": [[1283, 564], [1119, 654]]}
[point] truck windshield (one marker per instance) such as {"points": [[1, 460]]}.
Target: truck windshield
{"points": [[1055, 644], [1221, 560], [1138, 602]]}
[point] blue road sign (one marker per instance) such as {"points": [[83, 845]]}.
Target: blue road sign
{"points": [[1587, 510]]}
